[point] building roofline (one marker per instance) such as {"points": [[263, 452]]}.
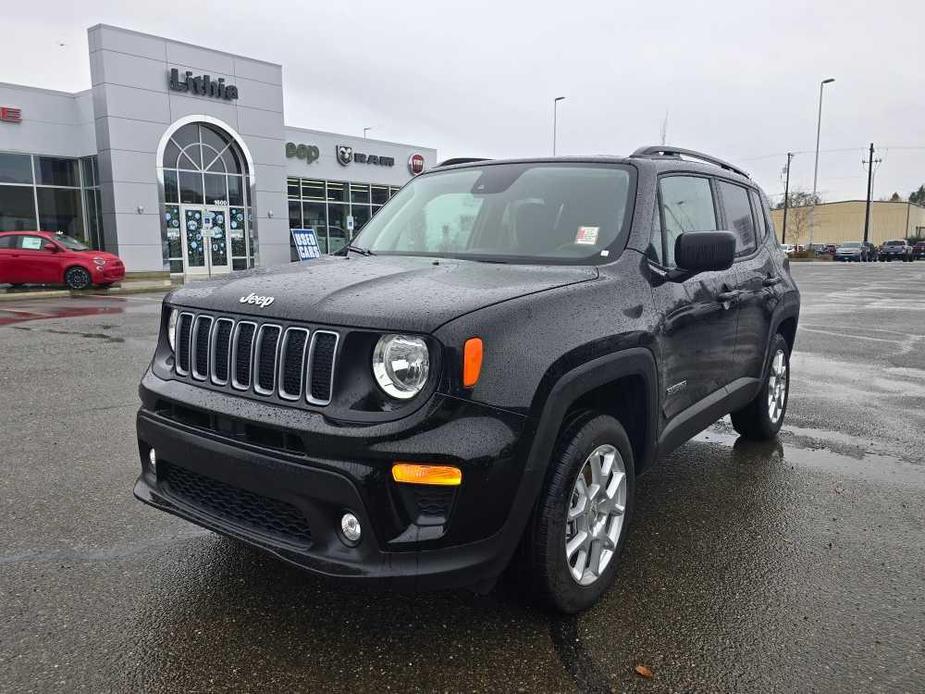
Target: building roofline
{"points": [[183, 43], [315, 131], [55, 92], [872, 202]]}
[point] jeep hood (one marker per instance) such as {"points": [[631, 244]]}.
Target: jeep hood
{"points": [[399, 293]]}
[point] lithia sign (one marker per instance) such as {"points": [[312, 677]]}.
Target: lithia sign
{"points": [[203, 85]]}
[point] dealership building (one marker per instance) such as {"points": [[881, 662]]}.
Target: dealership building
{"points": [[178, 159]]}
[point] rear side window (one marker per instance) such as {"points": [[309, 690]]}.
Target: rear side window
{"points": [[739, 217], [7, 241], [760, 221], [686, 205]]}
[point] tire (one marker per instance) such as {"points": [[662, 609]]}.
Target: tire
{"points": [[77, 278], [761, 419], [588, 442]]}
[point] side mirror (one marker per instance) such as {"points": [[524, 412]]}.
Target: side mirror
{"points": [[704, 251], [50, 247]]}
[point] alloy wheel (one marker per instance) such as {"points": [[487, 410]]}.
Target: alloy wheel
{"points": [[777, 386], [595, 514], [78, 278]]}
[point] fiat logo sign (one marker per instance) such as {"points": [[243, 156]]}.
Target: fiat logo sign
{"points": [[415, 164]]}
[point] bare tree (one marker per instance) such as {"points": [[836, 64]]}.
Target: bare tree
{"points": [[800, 205]]}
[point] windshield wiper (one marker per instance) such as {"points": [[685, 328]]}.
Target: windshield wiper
{"points": [[357, 249]]}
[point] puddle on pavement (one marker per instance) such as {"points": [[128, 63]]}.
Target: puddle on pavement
{"points": [[795, 446], [11, 316]]}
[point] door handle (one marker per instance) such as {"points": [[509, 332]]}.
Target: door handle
{"points": [[729, 296], [771, 281]]}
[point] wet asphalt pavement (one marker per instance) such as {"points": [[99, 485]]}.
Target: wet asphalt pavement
{"points": [[794, 566]]}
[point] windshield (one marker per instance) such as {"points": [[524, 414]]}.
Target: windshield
{"points": [[71, 244], [550, 213], [851, 244], [895, 243]]}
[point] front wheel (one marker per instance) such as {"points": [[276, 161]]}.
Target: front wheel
{"points": [[762, 418], [77, 278], [579, 526]]}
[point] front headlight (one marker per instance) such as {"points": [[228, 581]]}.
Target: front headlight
{"points": [[99, 261], [401, 364], [172, 329]]}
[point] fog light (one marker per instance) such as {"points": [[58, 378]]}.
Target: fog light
{"points": [[152, 458], [350, 527]]}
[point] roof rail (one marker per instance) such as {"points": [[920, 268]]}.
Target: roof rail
{"points": [[653, 151], [461, 160]]}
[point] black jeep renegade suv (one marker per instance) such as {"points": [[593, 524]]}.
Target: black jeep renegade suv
{"points": [[480, 377]]}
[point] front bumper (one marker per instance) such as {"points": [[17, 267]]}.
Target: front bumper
{"points": [[287, 495], [108, 273]]}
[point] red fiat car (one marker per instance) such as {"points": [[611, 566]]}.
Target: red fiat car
{"points": [[43, 257]]}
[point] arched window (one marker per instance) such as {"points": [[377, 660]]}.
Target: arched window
{"points": [[204, 166]]}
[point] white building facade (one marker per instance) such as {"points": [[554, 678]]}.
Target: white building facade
{"points": [[178, 159]]}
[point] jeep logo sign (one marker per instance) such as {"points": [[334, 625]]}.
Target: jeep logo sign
{"points": [[309, 153], [261, 301], [415, 164]]}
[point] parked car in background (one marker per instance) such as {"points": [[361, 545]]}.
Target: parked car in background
{"points": [[918, 250], [43, 257], [788, 248], [851, 251], [896, 249], [829, 249]]}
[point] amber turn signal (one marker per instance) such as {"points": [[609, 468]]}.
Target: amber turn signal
{"points": [[443, 475], [472, 361]]}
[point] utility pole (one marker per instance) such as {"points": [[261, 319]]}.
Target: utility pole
{"points": [[870, 161], [783, 234]]}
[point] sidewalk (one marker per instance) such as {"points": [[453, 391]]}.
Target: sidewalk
{"points": [[126, 287]]}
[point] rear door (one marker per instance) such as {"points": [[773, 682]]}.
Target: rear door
{"points": [[697, 331], [757, 273], [6, 257]]}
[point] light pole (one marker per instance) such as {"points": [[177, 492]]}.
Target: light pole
{"points": [[783, 234], [366, 130], [555, 114], [812, 212]]}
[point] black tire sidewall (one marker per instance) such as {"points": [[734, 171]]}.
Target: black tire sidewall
{"points": [[71, 271], [555, 582], [771, 428]]}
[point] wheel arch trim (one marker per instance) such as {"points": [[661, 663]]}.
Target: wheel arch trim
{"points": [[572, 385]]}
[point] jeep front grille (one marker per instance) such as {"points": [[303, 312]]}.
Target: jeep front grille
{"points": [[289, 363]]}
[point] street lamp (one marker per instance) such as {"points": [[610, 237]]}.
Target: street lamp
{"points": [[812, 212], [555, 113], [366, 130]]}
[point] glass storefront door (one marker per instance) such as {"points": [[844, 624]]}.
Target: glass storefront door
{"points": [[205, 240]]}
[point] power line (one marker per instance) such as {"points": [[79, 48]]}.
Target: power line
{"points": [[827, 151]]}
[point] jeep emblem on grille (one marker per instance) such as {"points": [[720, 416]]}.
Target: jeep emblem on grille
{"points": [[261, 301]]}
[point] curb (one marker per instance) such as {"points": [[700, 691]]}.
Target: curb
{"points": [[66, 293]]}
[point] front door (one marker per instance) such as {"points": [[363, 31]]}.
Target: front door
{"points": [[698, 317], [205, 240]]}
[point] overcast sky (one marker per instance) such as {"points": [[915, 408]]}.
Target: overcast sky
{"points": [[737, 79]]}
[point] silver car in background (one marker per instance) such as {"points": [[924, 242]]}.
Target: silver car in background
{"points": [[851, 251]]}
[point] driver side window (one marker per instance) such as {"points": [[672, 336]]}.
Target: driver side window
{"points": [[32, 243], [685, 205]]}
